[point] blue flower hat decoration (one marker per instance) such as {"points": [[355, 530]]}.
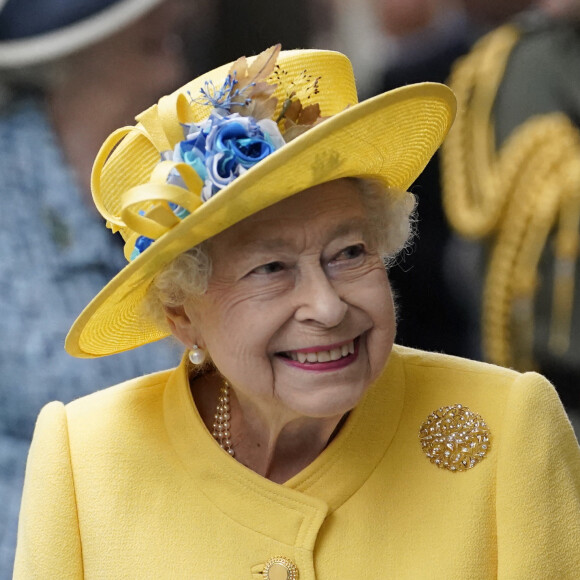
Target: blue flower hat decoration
{"points": [[239, 131]]}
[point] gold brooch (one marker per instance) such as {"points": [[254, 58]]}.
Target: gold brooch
{"points": [[455, 438], [280, 568]]}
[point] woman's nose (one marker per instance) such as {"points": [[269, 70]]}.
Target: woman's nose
{"points": [[318, 300]]}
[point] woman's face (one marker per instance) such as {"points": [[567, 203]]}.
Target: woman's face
{"points": [[298, 314]]}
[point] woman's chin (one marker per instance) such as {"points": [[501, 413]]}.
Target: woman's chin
{"points": [[323, 401]]}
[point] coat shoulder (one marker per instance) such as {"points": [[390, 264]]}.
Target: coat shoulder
{"points": [[418, 359], [434, 380], [117, 408]]}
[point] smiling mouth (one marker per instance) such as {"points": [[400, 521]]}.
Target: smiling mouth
{"points": [[321, 356]]}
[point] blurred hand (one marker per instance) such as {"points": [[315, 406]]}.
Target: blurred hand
{"points": [[403, 17], [561, 8]]}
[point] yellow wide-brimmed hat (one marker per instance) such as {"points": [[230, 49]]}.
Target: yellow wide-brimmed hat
{"points": [[231, 143]]}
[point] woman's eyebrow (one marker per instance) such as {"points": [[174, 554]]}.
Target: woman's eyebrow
{"points": [[358, 225], [265, 244]]}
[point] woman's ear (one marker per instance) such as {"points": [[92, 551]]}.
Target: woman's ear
{"points": [[181, 325]]}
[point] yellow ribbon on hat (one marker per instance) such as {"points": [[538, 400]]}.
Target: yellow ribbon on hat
{"points": [[107, 148], [144, 209], [163, 121]]}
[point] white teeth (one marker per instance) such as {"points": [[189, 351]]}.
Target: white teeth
{"points": [[323, 355], [335, 354]]}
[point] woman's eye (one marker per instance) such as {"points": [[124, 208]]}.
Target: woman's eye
{"points": [[270, 268], [351, 253]]}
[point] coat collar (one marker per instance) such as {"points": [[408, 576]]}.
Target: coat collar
{"points": [[303, 502]]}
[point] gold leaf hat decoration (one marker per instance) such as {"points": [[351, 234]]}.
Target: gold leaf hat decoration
{"points": [[455, 438], [156, 184]]}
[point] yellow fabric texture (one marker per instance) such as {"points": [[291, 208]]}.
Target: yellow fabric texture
{"points": [[127, 483]]}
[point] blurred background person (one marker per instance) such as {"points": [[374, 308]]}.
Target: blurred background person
{"points": [[512, 193], [70, 72], [428, 36]]}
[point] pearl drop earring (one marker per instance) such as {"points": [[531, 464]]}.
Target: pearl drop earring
{"points": [[197, 355]]}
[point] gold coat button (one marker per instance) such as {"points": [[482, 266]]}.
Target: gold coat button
{"points": [[280, 568]]}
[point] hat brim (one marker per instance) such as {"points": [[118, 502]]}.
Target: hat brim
{"points": [[390, 137], [53, 45]]}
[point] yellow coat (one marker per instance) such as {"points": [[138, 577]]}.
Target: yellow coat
{"points": [[128, 483]]}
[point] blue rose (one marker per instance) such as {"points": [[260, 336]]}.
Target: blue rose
{"points": [[223, 147]]}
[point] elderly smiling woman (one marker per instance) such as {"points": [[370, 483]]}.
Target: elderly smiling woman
{"points": [[259, 205]]}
